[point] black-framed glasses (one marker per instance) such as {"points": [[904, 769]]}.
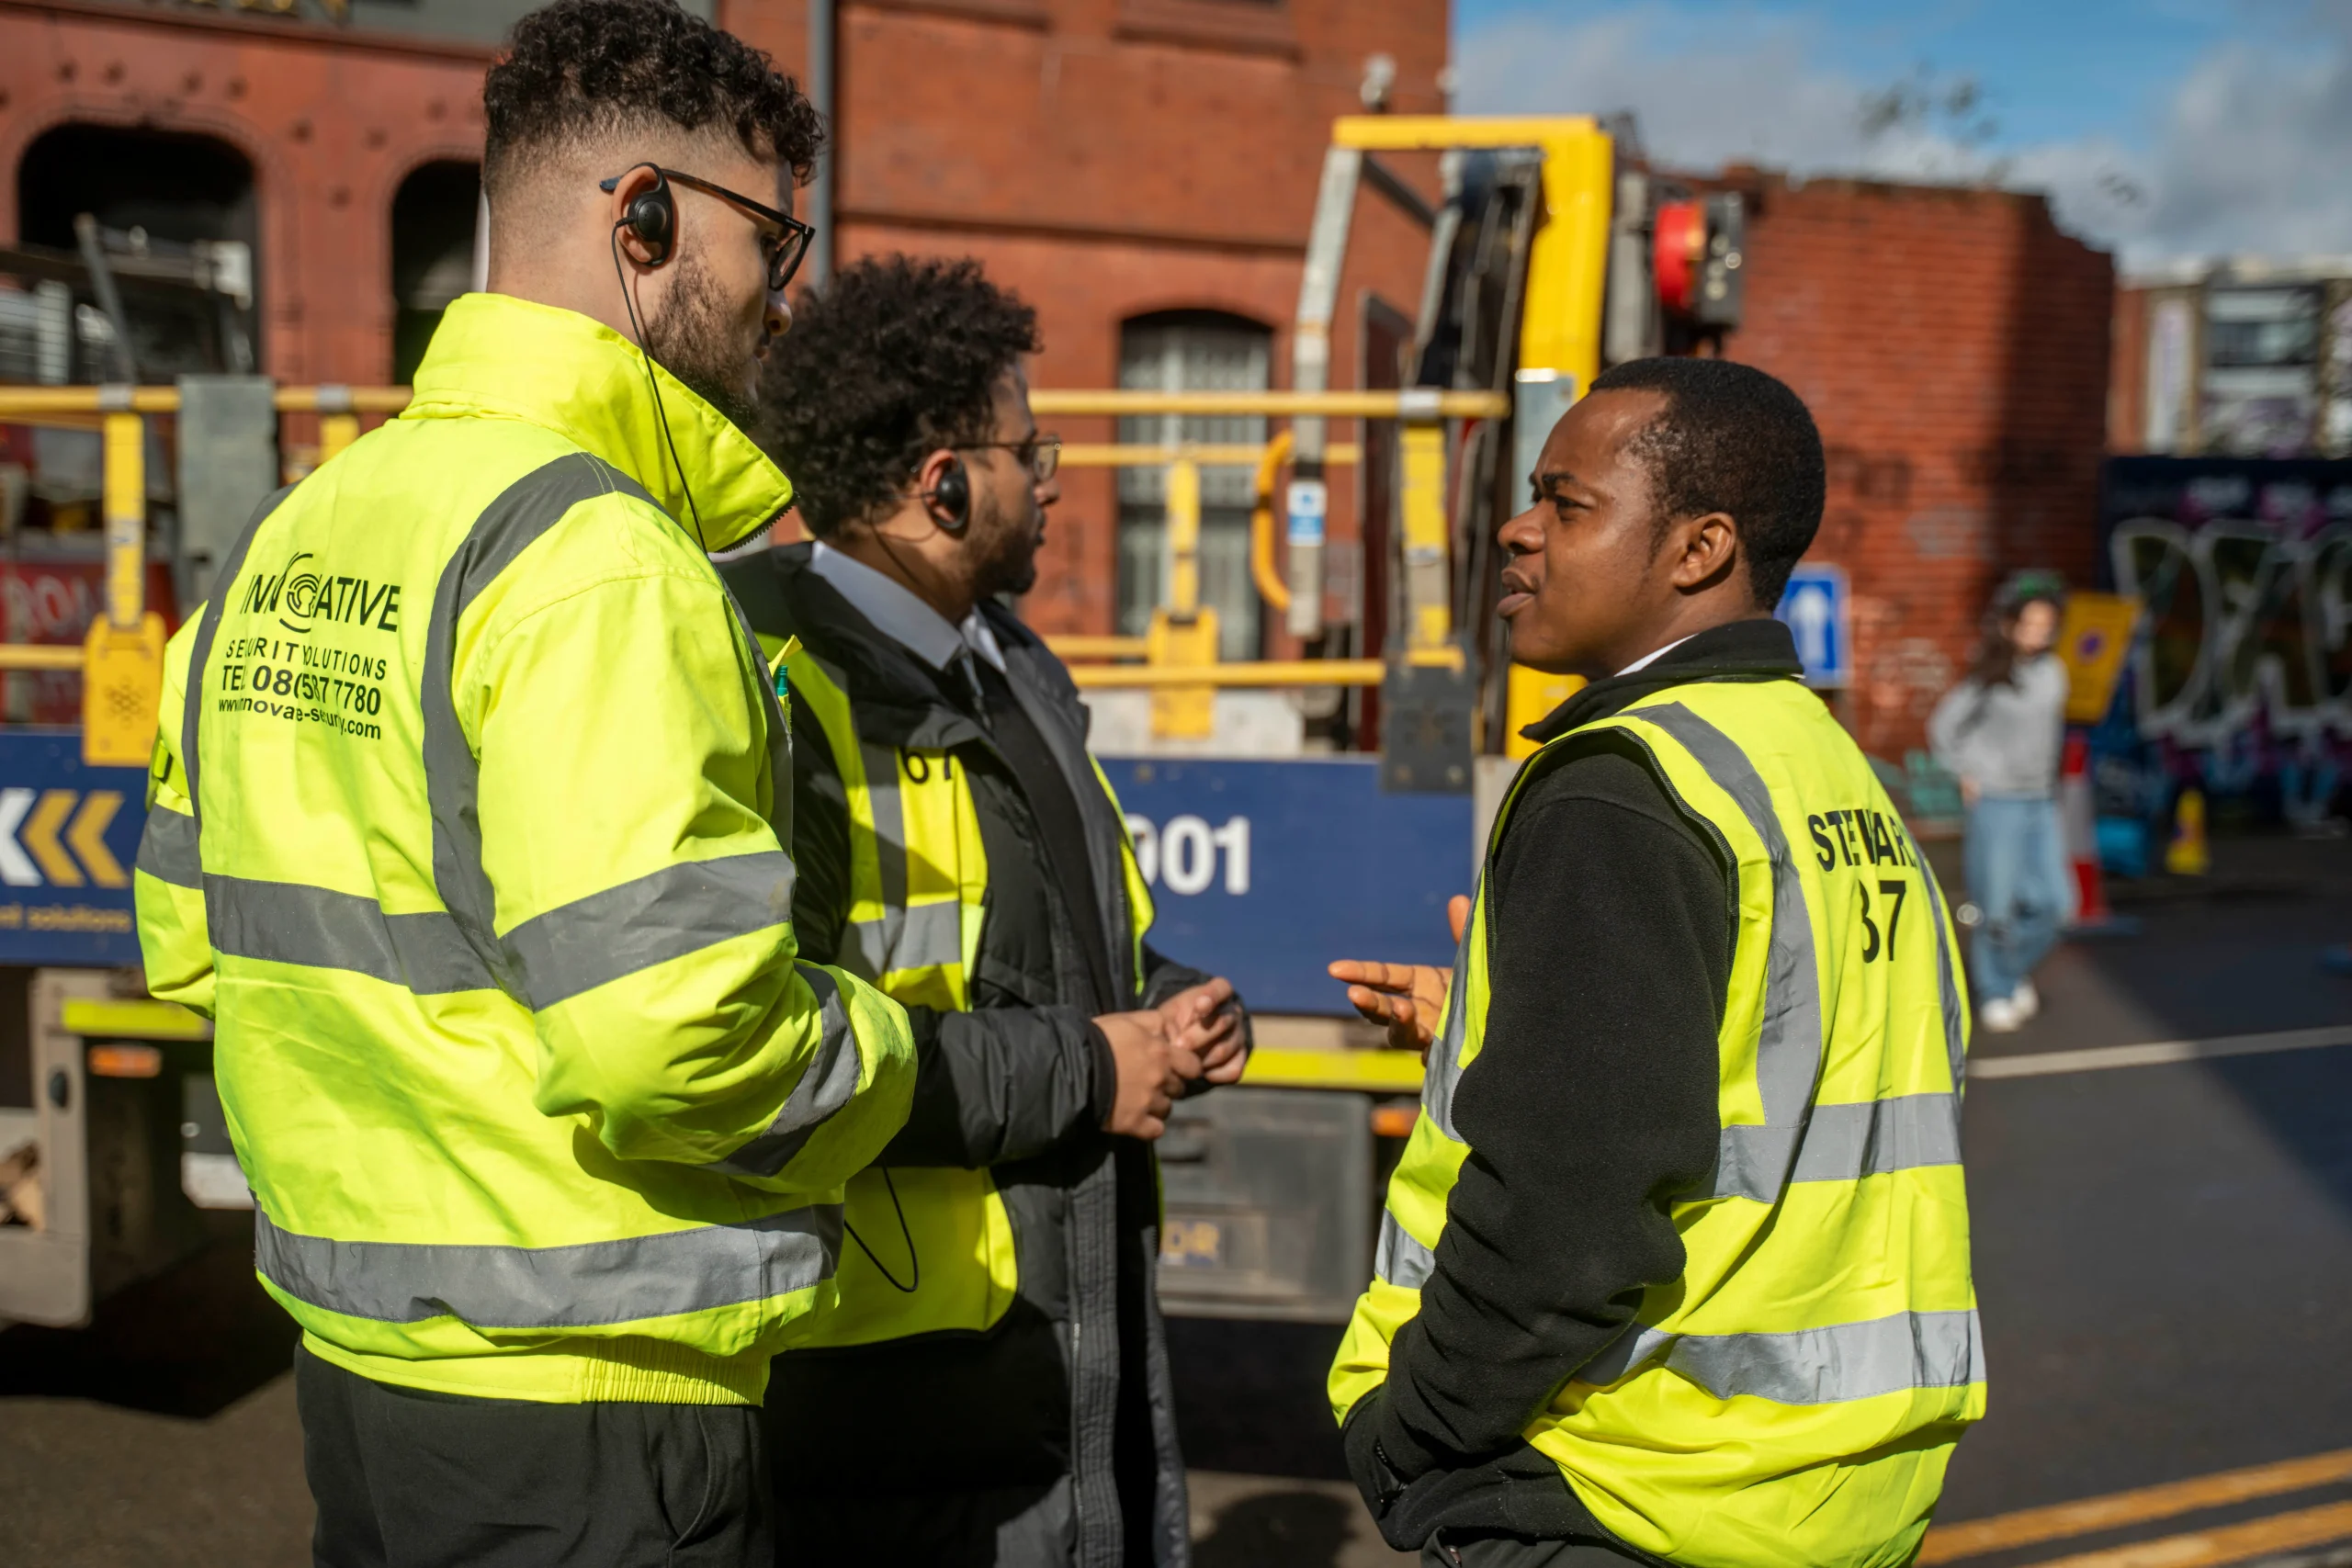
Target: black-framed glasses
{"points": [[785, 250], [1040, 451]]}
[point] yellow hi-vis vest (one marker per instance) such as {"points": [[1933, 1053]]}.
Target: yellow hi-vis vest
{"points": [[1793, 1398], [470, 832], [918, 892]]}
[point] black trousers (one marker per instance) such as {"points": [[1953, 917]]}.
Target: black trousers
{"points": [[1483, 1549], [406, 1479]]}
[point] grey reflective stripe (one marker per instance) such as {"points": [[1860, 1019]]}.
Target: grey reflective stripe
{"points": [[167, 849], [927, 935], [522, 512], [286, 922], [1443, 1073], [930, 934], [1401, 1259], [779, 722], [224, 584], [1811, 1366], [667, 914], [585, 1286], [877, 941], [1846, 1143], [1955, 1028], [1754, 1161], [828, 1083]]}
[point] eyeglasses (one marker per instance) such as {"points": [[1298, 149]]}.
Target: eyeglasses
{"points": [[1041, 452], [785, 250]]}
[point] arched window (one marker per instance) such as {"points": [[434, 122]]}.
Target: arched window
{"points": [[174, 224], [433, 214], [1191, 351]]}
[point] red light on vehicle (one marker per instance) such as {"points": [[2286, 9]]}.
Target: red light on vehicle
{"points": [[1678, 245]]}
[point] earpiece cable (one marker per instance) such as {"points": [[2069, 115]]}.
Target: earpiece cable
{"points": [[653, 384]]}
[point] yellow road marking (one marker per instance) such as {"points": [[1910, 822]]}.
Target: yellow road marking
{"points": [[40, 835], [1948, 1543], [2231, 1543]]}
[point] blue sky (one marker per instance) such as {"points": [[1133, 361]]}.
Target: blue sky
{"points": [[2162, 128]]}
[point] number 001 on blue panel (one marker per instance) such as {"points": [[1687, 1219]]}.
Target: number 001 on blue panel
{"points": [[1265, 871]]}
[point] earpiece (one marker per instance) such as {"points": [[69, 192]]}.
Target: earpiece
{"points": [[652, 217], [951, 499]]}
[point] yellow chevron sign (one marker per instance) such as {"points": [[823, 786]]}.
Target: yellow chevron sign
{"points": [[63, 842]]}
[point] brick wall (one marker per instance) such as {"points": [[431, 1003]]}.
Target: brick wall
{"points": [[1107, 158], [1954, 347], [1112, 158], [331, 133]]}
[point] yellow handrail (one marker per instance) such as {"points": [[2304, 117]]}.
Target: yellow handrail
{"points": [[1271, 586], [1412, 403], [1260, 673], [1122, 455], [1081, 646], [327, 400]]}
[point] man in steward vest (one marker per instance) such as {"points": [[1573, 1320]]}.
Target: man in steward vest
{"points": [[994, 1387], [471, 831], [1675, 1267]]}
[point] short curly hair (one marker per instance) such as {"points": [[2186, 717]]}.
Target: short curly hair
{"points": [[579, 70], [893, 359], [1732, 439]]}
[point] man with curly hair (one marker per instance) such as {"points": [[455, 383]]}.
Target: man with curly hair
{"points": [[472, 833], [957, 846]]}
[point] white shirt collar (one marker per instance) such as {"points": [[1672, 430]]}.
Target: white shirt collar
{"points": [[899, 616], [1644, 662]]}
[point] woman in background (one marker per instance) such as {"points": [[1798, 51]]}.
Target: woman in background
{"points": [[2001, 732]]}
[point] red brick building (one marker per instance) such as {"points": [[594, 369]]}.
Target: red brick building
{"points": [[1145, 171], [1116, 160], [1954, 347]]}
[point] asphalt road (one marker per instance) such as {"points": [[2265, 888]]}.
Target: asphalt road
{"points": [[2162, 1253]]}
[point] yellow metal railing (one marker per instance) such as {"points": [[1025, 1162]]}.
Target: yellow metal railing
{"points": [[1179, 664], [121, 661]]}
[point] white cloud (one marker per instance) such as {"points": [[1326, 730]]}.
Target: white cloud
{"points": [[2248, 152]]}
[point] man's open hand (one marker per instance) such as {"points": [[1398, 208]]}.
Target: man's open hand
{"points": [[1409, 998]]}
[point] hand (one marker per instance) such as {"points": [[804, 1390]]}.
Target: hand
{"points": [[1970, 789], [1409, 998], [1151, 1072], [1206, 1021]]}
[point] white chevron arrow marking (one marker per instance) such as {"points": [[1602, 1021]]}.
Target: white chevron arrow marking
{"points": [[16, 868]]}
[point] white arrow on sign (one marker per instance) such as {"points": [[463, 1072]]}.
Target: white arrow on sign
{"points": [[1809, 615], [16, 868]]}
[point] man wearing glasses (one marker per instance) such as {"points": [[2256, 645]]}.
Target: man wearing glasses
{"points": [[993, 1387], [471, 830]]}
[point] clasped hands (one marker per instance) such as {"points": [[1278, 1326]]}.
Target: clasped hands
{"points": [[1195, 1034]]}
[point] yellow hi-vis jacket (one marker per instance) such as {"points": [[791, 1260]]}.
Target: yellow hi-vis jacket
{"points": [[469, 829], [1793, 1398]]}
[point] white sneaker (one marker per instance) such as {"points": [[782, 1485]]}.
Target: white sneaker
{"points": [[2025, 999], [2000, 1015]]}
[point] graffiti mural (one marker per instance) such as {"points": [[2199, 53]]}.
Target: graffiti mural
{"points": [[2243, 672]]}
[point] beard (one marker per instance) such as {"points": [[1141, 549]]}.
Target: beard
{"points": [[1008, 562], [694, 341]]}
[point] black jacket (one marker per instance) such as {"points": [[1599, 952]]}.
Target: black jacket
{"points": [[1592, 1103], [1050, 1438]]}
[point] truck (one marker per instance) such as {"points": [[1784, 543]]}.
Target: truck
{"points": [[1553, 251]]}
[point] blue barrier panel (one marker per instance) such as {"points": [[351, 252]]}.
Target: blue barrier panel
{"points": [[68, 835], [1265, 871]]}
